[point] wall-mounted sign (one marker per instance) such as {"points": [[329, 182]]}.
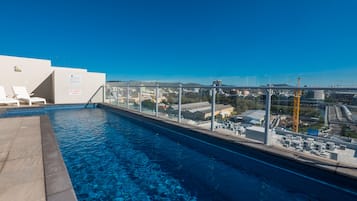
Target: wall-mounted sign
{"points": [[75, 79], [74, 92], [75, 84]]}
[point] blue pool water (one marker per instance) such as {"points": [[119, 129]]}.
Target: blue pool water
{"points": [[110, 157]]}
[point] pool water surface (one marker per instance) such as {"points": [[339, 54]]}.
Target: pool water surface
{"points": [[110, 157]]}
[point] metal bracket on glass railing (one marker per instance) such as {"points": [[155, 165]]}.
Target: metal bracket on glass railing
{"points": [[127, 96], [179, 103], [157, 101], [213, 106], [267, 139], [140, 99]]}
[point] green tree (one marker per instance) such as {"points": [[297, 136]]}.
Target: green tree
{"points": [[149, 104]]}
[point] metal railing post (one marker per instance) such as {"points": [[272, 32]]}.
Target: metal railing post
{"points": [[179, 103], [213, 106], [326, 116], [267, 139], [103, 93], [140, 97], [127, 96], [117, 91], [157, 101]]}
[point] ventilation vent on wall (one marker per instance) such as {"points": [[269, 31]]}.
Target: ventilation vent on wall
{"points": [[17, 69]]}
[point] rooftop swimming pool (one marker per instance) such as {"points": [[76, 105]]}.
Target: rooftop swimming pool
{"points": [[112, 157]]}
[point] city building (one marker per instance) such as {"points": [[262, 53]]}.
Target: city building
{"points": [[201, 110], [319, 95], [255, 117]]}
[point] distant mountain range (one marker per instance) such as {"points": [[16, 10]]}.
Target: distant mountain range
{"points": [[150, 83], [175, 84]]}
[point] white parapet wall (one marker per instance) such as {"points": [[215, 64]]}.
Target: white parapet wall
{"points": [[59, 85], [76, 85], [19, 71]]}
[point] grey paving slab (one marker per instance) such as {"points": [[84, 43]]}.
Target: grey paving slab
{"points": [[21, 167], [29, 191], [22, 164], [21, 152], [4, 150], [7, 134], [11, 179], [4, 123]]}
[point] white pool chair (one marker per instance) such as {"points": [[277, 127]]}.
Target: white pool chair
{"points": [[5, 100], [22, 94]]}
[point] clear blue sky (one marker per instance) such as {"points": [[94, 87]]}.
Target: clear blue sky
{"points": [[241, 42]]}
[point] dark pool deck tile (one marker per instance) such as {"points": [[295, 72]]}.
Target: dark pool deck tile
{"points": [[61, 196], [58, 182], [53, 165]]}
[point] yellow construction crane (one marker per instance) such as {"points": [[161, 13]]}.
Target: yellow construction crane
{"points": [[296, 111]]}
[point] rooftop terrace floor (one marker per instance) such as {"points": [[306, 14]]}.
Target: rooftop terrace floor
{"points": [[31, 166], [21, 160]]}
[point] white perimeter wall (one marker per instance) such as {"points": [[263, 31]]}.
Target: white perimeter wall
{"points": [[56, 84], [33, 72], [76, 85]]}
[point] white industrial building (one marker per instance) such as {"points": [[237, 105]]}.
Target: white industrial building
{"points": [[255, 117], [319, 95], [202, 110], [256, 133]]}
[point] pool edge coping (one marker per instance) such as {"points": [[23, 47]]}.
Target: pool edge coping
{"points": [[58, 185]]}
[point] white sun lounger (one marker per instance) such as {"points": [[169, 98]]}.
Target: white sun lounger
{"points": [[22, 94], [6, 100]]}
